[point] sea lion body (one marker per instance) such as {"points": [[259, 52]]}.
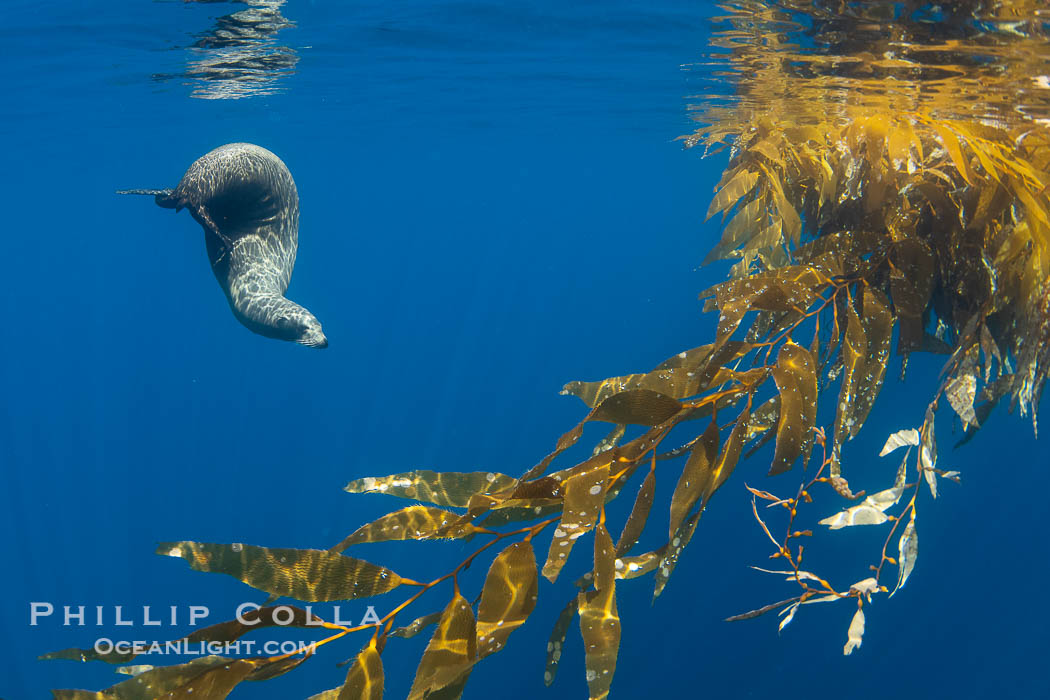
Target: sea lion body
{"points": [[245, 199]]}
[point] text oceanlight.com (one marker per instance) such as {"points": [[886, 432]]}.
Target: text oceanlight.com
{"points": [[241, 647]]}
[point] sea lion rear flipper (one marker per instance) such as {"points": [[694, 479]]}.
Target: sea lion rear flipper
{"points": [[163, 198]]}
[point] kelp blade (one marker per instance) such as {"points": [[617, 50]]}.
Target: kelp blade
{"points": [[584, 494], [600, 629], [311, 575], [364, 680], [211, 677], [451, 653], [411, 523], [440, 488], [508, 596]]}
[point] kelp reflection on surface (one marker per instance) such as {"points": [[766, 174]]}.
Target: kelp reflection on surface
{"points": [[890, 178]]}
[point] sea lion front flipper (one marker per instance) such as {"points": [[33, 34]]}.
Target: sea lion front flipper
{"points": [[203, 217]]}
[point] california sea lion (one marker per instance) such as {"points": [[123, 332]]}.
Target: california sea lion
{"points": [[245, 199]]}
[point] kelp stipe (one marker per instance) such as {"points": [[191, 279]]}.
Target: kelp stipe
{"points": [[865, 192]]}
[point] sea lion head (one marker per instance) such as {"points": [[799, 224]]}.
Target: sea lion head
{"points": [[304, 328], [296, 324]]}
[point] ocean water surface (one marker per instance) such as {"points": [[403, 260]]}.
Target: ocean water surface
{"points": [[493, 203]]}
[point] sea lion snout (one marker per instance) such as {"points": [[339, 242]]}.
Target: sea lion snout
{"points": [[311, 334]]}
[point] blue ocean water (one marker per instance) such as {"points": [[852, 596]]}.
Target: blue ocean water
{"points": [[493, 203]]}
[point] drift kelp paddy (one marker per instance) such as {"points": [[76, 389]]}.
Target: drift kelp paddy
{"points": [[887, 176]]}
